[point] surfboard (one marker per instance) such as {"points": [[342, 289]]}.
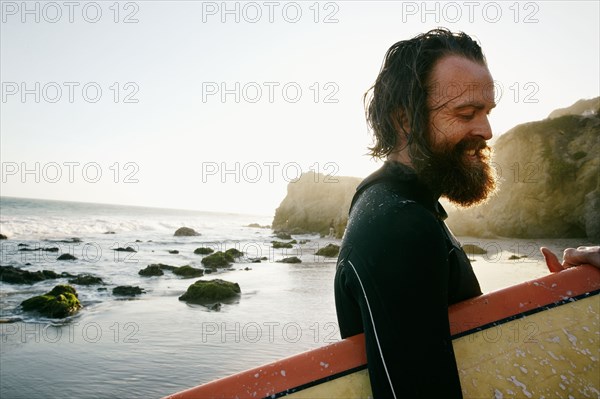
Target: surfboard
{"points": [[536, 339]]}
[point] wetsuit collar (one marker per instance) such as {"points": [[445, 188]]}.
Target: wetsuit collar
{"points": [[408, 184]]}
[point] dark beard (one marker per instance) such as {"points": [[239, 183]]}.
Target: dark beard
{"points": [[449, 173]]}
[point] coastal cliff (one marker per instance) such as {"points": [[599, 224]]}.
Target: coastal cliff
{"points": [[550, 185], [313, 201]]}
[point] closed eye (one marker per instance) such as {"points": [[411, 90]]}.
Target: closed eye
{"points": [[467, 117]]}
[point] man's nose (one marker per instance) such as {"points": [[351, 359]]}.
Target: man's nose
{"points": [[484, 130]]}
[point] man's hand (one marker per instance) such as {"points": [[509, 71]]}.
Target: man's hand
{"points": [[572, 257]]}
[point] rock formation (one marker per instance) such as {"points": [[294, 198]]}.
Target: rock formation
{"points": [[313, 201]]}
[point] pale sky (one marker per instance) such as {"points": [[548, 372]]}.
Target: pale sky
{"points": [[216, 107]]}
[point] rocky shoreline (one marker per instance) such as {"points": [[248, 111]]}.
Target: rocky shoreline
{"points": [[62, 300]]}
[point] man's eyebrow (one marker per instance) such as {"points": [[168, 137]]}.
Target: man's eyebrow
{"points": [[475, 104]]}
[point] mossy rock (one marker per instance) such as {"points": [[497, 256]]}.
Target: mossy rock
{"points": [[472, 249], [59, 303], [282, 235], [292, 259], [15, 275], [151, 270], [279, 244], [164, 267], [330, 251], [218, 259], [234, 253], [173, 251], [86, 279], [66, 257], [514, 257], [205, 291], [186, 232], [188, 271], [127, 290], [203, 251]]}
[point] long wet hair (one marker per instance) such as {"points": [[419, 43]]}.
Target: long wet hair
{"points": [[398, 99]]}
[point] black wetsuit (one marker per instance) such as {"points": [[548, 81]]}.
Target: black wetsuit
{"points": [[398, 270]]}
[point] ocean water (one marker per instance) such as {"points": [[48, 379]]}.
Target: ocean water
{"points": [[153, 345]]}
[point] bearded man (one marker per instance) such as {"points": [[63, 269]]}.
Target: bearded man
{"points": [[399, 266]]}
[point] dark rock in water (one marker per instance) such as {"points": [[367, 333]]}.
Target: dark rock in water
{"points": [[216, 307], [66, 257], [283, 235], [203, 291], [208, 271], [514, 257], [3, 237], [101, 289], [22, 245], [330, 251], [109, 232], [86, 279], [292, 259], [247, 268], [258, 260], [188, 272], [127, 290], [472, 249], [303, 241], [256, 225], [203, 251], [71, 241], [47, 249], [234, 253], [218, 259], [173, 251], [185, 232], [151, 270], [279, 244], [59, 303], [138, 240], [165, 267], [128, 249], [10, 320], [15, 275]]}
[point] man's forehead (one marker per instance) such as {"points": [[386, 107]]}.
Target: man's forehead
{"points": [[462, 82]]}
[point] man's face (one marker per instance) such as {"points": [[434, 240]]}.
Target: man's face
{"points": [[461, 95]]}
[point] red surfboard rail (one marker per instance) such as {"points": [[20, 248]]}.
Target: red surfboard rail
{"points": [[349, 353], [278, 376], [530, 295]]}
